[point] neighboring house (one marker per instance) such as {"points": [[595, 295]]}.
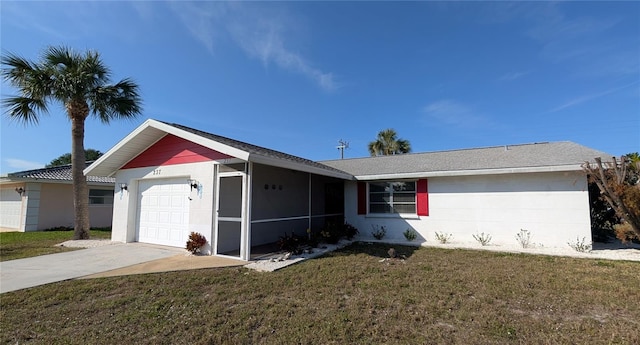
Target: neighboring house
{"points": [[43, 199], [172, 180]]}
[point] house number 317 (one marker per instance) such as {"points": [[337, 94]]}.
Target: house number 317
{"points": [[157, 172]]}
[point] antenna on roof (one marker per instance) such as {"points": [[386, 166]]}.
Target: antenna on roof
{"points": [[342, 145]]}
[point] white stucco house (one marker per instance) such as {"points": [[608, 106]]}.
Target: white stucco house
{"points": [[42, 199], [498, 191], [172, 180]]}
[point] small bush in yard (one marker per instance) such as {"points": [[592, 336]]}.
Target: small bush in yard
{"points": [[524, 238], [443, 237], [581, 246], [195, 242], [410, 234], [291, 243], [378, 231], [483, 238], [331, 233], [350, 231]]}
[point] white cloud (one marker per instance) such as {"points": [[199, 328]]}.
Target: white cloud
{"points": [[511, 76], [585, 98], [261, 35], [453, 113], [20, 165]]}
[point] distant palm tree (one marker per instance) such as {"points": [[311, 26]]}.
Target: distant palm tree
{"points": [[81, 82], [387, 143]]}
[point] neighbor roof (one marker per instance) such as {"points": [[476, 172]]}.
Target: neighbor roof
{"points": [[151, 131], [54, 174], [536, 157]]}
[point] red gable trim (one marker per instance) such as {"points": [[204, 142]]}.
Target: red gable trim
{"points": [[362, 198], [172, 150], [422, 198]]}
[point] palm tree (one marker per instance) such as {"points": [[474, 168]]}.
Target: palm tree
{"points": [[387, 143], [81, 82]]}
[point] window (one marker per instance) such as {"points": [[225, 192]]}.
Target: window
{"points": [[100, 197], [392, 197]]}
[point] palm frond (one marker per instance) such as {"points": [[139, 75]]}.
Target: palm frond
{"points": [[24, 109], [19, 69], [119, 101]]}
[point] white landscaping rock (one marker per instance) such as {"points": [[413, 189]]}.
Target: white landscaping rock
{"points": [[278, 261]]}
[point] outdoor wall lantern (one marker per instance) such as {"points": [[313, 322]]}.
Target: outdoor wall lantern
{"points": [[193, 183], [123, 186], [20, 190]]}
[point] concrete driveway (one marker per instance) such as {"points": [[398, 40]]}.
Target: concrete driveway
{"points": [[45, 269]]}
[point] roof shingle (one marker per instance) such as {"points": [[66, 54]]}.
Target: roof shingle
{"points": [[499, 157], [58, 173], [257, 150]]}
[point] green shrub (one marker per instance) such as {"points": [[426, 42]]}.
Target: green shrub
{"points": [[291, 243], [378, 231], [350, 231], [333, 232], [410, 234]]}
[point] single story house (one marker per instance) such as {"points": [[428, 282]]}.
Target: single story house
{"points": [[172, 180], [42, 199]]}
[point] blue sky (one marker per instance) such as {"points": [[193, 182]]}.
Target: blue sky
{"points": [[299, 76]]}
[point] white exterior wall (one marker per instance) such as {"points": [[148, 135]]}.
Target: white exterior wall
{"points": [[31, 206], [554, 207], [201, 205]]}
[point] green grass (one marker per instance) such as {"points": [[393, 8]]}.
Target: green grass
{"points": [[19, 245], [435, 296]]}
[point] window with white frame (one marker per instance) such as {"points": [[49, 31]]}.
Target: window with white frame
{"points": [[392, 197], [100, 197]]}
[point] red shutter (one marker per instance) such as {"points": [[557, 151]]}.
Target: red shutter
{"points": [[362, 198], [422, 198]]}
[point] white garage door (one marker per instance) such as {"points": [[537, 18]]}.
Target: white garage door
{"points": [[10, 208], [163, 212]]}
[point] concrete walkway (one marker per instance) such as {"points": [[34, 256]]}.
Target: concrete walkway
{"points": [[175, 263], [45, 269]]}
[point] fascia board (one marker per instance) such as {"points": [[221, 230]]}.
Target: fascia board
{"points": [[298, 166], [558, 168], [214, 145], [116, 147]]}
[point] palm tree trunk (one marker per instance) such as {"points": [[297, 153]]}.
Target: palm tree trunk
{"points": [[80, 188]]}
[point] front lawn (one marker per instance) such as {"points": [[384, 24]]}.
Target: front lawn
{"points": [[19, 245], [352, 296]]}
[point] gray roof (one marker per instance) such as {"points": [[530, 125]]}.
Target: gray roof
{"points": [[513, 158], [257, 150], [59, 173]]}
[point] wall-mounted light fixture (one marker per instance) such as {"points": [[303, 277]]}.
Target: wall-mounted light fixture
{"points": [[193, 183], [123, 186], [20, 190]]}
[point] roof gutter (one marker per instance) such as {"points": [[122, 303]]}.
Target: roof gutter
{"points": [[298, 166], [556, 168]]}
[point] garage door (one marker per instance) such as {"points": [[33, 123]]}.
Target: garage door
{"points": [[163, 212], [10, 208]]}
